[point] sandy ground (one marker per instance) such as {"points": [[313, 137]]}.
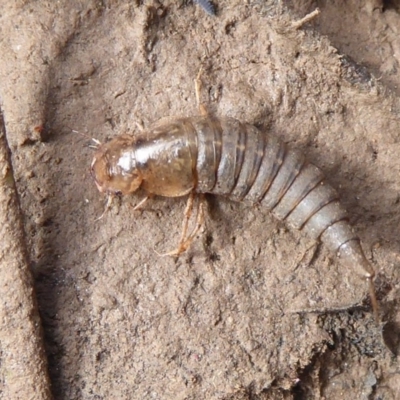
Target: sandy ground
{"points": [[252, 310]]}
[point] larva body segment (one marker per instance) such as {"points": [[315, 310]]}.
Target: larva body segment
{"points": [[223, 156], [207, 6]]}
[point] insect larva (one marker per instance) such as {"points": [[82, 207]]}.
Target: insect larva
{"points": [[226, 157]]}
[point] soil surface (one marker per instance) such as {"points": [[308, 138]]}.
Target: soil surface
{"points": [[252, 310]]}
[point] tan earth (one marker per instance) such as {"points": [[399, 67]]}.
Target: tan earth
{"points": [[252, 310]]}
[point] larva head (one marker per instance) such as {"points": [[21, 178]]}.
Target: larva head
{"points": [[114, 167]]}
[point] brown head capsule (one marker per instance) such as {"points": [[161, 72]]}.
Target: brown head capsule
{"points": [[161, 165], [114, 167]]}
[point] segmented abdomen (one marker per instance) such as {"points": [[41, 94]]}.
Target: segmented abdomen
{"points": [[238, 161]]}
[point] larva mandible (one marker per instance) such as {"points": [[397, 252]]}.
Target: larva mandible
{"points": [[223, 156]]}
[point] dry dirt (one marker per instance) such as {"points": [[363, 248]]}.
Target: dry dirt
{"points": [[252, 310]]}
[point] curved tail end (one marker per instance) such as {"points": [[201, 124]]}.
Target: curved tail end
{"points": [[352, 255]]}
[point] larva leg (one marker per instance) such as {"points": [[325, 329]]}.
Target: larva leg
{"points": [[96, 143], [142, 202], [199, 222], [185, 224], [110, 198], [198, 87], [139, 124], [186, 240], [298, 24], [186, 218]]}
